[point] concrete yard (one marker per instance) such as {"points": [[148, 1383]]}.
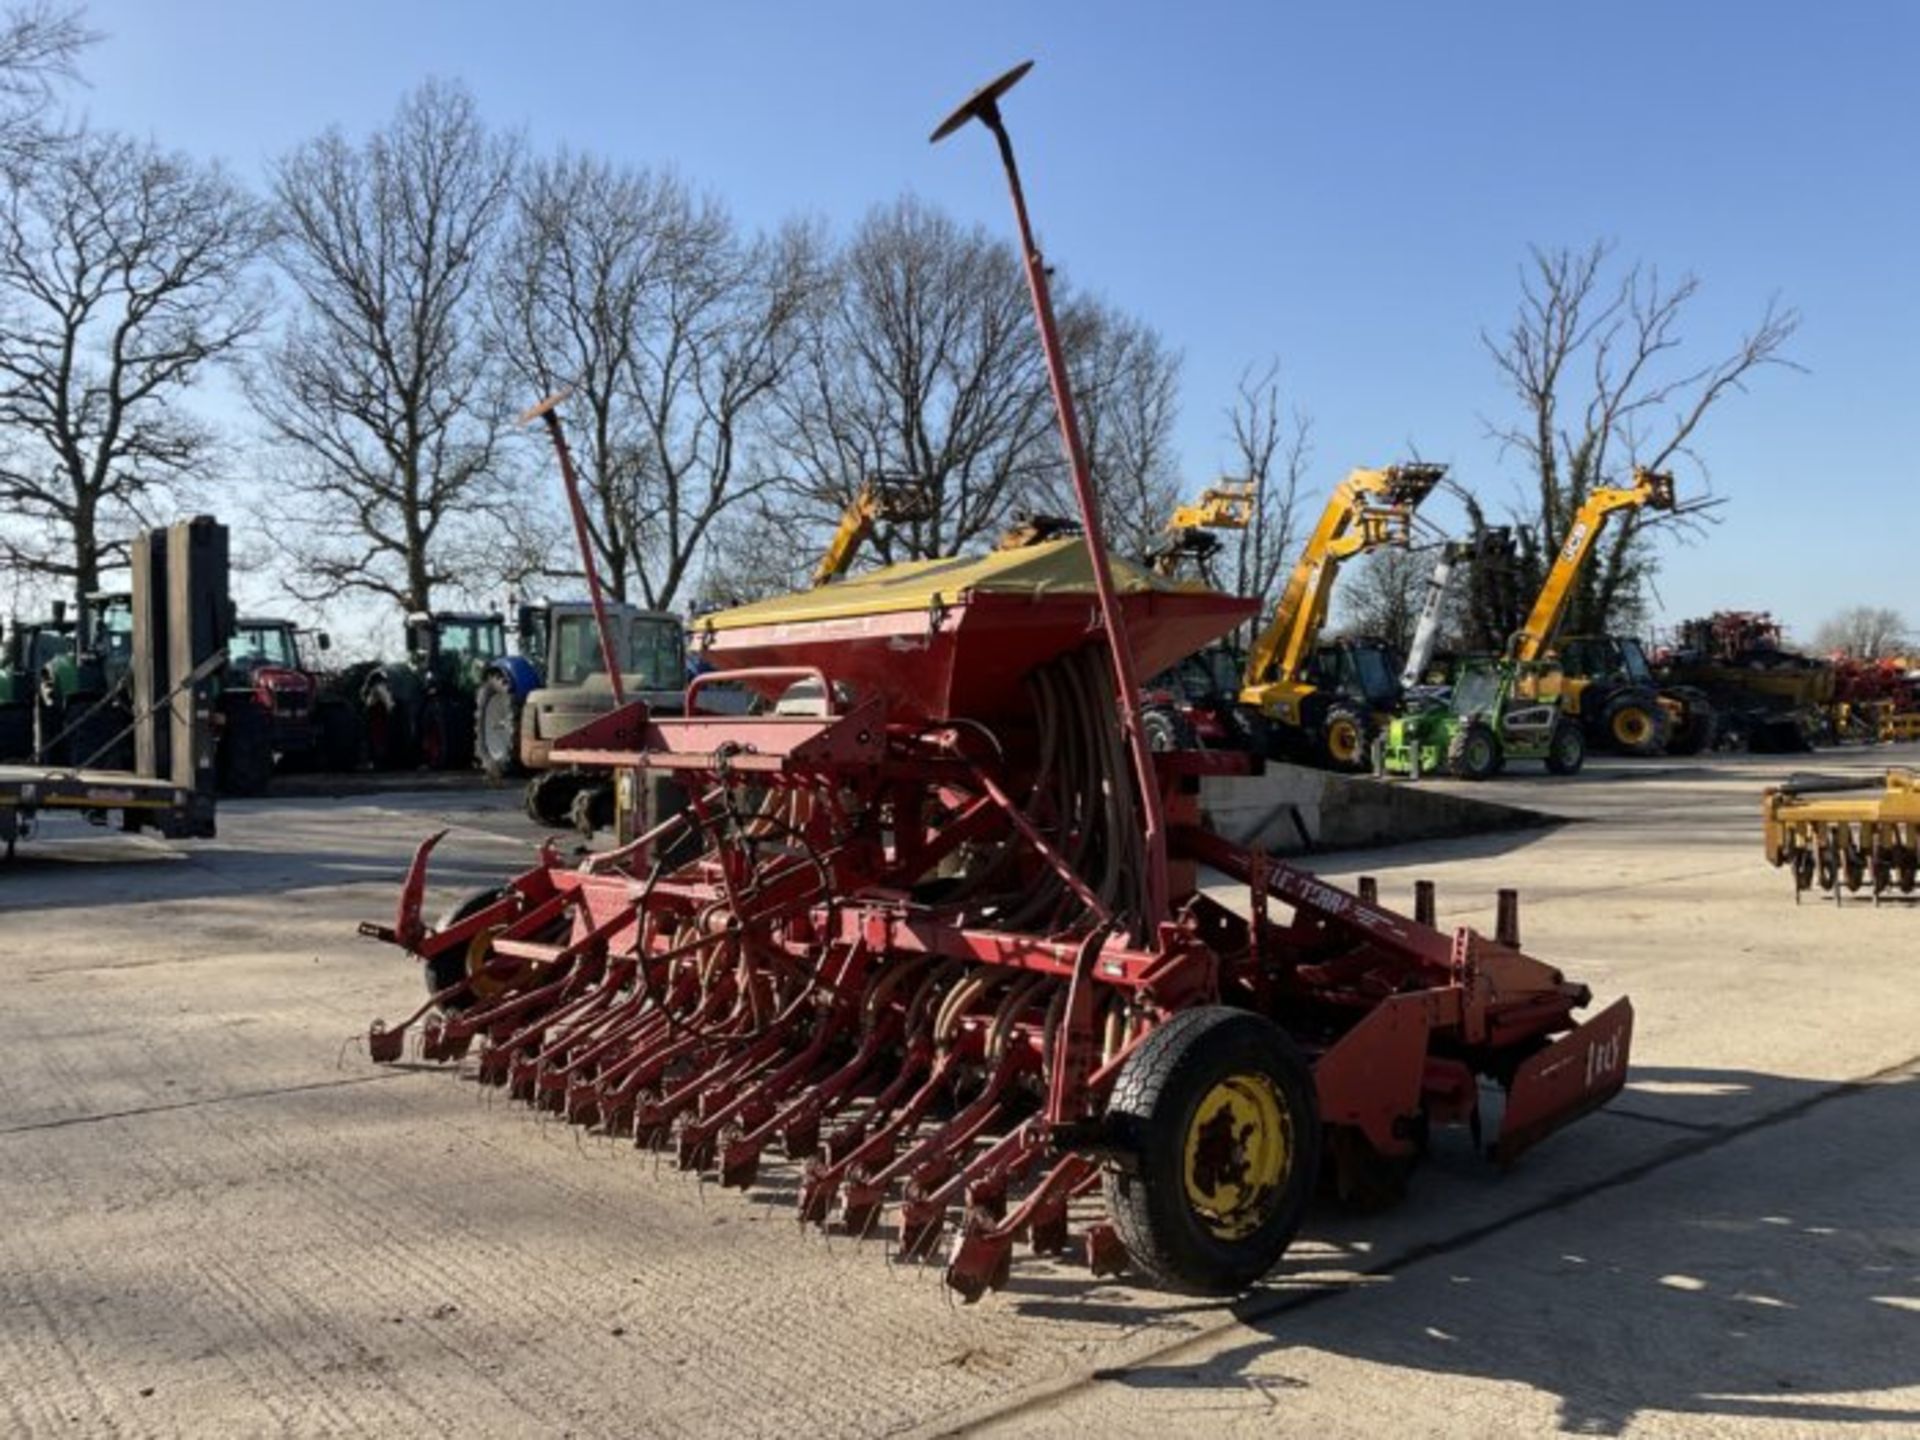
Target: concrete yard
{"points": [[223, 1220]]}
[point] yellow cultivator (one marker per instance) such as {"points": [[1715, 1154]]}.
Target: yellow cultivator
{"points": [[1837, 835]]}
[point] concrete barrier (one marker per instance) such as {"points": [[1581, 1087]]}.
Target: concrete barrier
{"points": [[1291, 810]]}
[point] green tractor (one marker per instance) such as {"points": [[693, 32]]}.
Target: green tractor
{"points": [[31, 645], [420, 711], [84, 687], [1497, 710]]}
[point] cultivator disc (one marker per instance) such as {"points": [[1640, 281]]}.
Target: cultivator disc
{"points": [[1830, 835]]}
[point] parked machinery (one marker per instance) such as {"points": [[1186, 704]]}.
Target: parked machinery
{"points": [[1495, 711], [942, 937], [420, 711], [883, 499], [1767, 698], [1324, 700], [1609, 685], [1845, 835]]}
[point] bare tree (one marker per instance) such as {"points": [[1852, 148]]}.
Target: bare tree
{"points": [[39, 45], [720, 334], [1864, 632], [1271, 449], [1593, 360], [1126, 383], [124, 275], [582, 272], [924, 361], [382, 395], [1380, 598]]}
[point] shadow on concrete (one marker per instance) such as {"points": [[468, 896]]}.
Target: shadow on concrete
{"points": [[1769, 1273]]}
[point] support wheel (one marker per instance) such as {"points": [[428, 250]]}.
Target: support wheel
{"points": [[452, 967], [1217, 1114], [1168, 729]]}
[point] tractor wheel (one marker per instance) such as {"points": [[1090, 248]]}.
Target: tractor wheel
{"points": [[1566, 748], [592, 808], [1696, 732], [1474, 753], [101, 738], [496, 729], [1168, 730], [16, 732], [451, 967], [390, 738], [1632, 723], [1217, 1116], [340, 738], [550, 795], [244, 763], [1344, 739], [442, 735]]}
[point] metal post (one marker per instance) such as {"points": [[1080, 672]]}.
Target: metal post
{"points": [[1506, 927], [548, 410], [984, 107], [1423, 906]]}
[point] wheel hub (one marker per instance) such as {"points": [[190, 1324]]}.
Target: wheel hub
{"points": [[1238, 1152]]}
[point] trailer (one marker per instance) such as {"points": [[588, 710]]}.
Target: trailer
{"points": [[182, 621]]}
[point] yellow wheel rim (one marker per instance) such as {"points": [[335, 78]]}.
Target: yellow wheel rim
{"points": [[488, 984], [1343, 741], [1239, 1151], [1631, 727]]}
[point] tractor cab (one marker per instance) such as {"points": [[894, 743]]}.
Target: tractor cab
{"points": [[1362, 670], [454, 649], [1606, 657]]}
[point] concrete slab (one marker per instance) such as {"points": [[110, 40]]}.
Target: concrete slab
{"points": [[220, 1224]]}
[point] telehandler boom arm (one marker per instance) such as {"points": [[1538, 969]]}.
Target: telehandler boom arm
{"points": [[882, 497], [1368, 510], [1651, 489]]}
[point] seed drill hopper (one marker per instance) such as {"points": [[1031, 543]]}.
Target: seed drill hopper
{"points": [[940, 931]]}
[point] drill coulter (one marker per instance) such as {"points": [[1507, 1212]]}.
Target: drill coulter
{"points": [[1835, 835]]}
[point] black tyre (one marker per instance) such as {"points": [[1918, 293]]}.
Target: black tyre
{"points": [[450, 967], [1696, 731], [1218, 1117], [1474, 752], [592, 808], [1634, 724], [391, 743], [1168, 730], [550, 796], [1345, 739], [446, 739], [496, 728], [16, 732], [1566, 748], [243, 763], [340, 737], [96, 740]]}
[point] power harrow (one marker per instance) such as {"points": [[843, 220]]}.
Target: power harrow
{"points": [[938, 928], [1832, 834]]}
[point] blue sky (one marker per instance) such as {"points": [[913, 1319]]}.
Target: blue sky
{"points": [[1350, 189]]}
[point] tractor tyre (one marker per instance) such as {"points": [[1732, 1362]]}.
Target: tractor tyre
{"points": [[496, 728], [102, 738], [1167, 729], [243, 763], [340, 736], [1633, 724], [391, 742], [1566, 748], [1217, 1124], [592, 808], [1474, 752], [445, 737], [550, 795], [16, 732], [1345, 739], [450, 967], [1697, 732]]}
